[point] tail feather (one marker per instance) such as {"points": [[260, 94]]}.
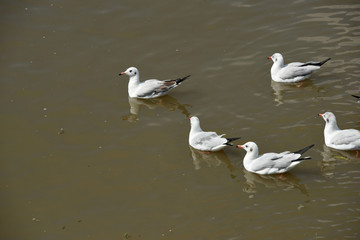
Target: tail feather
{"points": [[180, 80], [300, 159], [315, 63], [301, 151], [321, 63], [229, 140]]}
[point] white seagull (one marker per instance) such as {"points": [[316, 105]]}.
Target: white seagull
{"points": [[151, 88], [357, 97], [347, 139], [270, 163], [206, 141], [292, 72]]}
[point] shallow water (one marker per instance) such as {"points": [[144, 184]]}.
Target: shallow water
{"points": [[80, 160]]}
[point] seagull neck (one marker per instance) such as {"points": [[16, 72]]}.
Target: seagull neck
{"points": [[251, 156], [277, 66], [331, 126], [195, 129], [249, 160], [134, 81]]}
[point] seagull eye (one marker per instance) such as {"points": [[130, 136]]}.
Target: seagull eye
{"points": [[130, 70]]}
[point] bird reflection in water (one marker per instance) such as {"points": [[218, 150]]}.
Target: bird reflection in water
{"points": [[281, 88], [287, 181], [333, 157], [166, 101], [211, 159]]}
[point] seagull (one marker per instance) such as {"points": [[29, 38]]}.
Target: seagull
{"points": [[357, 97], [292, 72], [151, 88], [347, 139], [270, 163], [206, 141]]}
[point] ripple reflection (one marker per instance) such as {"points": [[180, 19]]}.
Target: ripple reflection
{"points": [[166, 101], [333, 158], [211, 159], [287, 181]]}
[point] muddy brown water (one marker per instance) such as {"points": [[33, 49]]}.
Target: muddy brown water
{"points": [[80, 160]]}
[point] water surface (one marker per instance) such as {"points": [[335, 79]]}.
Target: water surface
{"points": [[80, 160]]}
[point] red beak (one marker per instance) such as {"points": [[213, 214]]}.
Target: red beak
{"points": [[269, 58], [320, 115], [239, 146]]}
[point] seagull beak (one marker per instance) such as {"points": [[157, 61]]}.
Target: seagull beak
{"points": [[320, 115], [239, 146], [269, 58], [123, 73]]}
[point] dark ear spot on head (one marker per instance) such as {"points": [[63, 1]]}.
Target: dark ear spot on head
{"points": [[327, 120], [251, 149], [135, 73]]}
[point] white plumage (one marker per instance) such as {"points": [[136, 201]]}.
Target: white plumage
{"points": [[270, 163], [151, 88], [347, 139], [206, 141], [292, 72]]}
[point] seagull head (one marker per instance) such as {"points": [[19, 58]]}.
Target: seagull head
{"points": [[194, 120], [249, 147], [277, 57], [252, 150], [328, 116], [195, 124], [131, 71]]}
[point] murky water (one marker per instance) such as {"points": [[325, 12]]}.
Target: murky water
{"points": [[80, 160]]}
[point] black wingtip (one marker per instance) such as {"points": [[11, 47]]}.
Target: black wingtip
{"points": [[301, 151], [312, 63], [180, 80], [232, 139], [301, 159], [321, 63], [355, 96]]}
